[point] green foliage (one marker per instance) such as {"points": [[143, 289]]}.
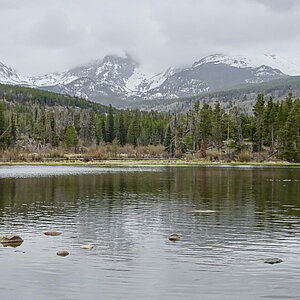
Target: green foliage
{"points": [[291, 134], [122, 130], [70, 137], [33, 96], [3, 126], [13, 131], [110, 125], [188, 142], [258, 110], [168, 143], [44, 119], [133, 131], [206, 123], [115, 146]]}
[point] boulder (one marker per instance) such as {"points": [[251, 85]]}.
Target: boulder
{"points": [[87, 247], [174, 237], [12, 240], [62, 253], [273, 261], [52, 233]]}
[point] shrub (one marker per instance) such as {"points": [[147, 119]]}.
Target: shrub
{"points": [[244, 156], [213, 155]]}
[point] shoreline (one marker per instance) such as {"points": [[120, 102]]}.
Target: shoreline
{"points": [[164, 162]]}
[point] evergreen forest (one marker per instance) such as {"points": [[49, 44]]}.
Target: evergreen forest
{"points": [[50, 124]]}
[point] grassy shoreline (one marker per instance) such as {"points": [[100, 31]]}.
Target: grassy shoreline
{"points": [[164, 162]]}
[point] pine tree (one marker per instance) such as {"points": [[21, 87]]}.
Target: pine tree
{"points": [[3, 127], [168, 142], [236, 116], [77, 123], [92, 127], [13, 131], [205, 125], [115, 146], [217, 126], [70, 137], [291, 148], [122, 132], [269, 123], [103, 130], [133, 131], [110, 125], [52, 129], [202, 149], [258, 110]]}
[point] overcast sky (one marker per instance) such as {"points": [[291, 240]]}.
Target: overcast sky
{"points": [[40, 36]]}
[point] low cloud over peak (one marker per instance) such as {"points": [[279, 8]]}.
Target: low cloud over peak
{"points": [[44, 37]]}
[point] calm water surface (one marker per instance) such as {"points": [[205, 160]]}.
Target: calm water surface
{"points": [[128, 214]]}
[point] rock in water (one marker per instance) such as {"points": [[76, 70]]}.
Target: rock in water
{"points": [[87, 247], [174, 237], [12, 240], [62, 253], [273, 261], [52, 233], [204, 211]]}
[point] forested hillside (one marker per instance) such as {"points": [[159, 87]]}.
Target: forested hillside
{"points": [[245, 97], [34, 121]]}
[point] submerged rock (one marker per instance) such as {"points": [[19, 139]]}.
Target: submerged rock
{"points": [[12, 240], [19, 251], [52, 233], [203, 211], [273, 261], [62, 253], [87, 247], [174, 237]]}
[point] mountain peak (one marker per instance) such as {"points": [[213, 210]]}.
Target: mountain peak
{"points": [[219, 58], [119, 78], [8, 75]]}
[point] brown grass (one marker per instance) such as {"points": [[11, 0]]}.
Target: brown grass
{"points": [[244, 156]]}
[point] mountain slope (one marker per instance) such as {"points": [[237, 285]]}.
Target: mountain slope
{"points": [[120, 80], [30, 96], [245, 97]]}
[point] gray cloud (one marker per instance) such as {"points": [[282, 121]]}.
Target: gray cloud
{"points": [[279, 5], [47, 36]]}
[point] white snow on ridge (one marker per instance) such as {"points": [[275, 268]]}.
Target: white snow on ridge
{"points": [[238, 61], [282, 64], [114, 75], [233, 61], [141, 81], [52, 79], [134, 81]]}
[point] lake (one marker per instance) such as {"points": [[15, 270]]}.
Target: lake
{"points": [[230, 219]]}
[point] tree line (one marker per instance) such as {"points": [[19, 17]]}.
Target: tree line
{"points": [[55, 121], [274, 126]]}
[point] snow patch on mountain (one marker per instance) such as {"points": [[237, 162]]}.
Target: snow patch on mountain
{"points": [[232, 61], [9, 76], [52, 79], [280, 63], [122, 78], [141, 81], [271, 60]]}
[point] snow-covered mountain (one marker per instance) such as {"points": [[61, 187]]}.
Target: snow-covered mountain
{"points": [[117, 79], [9, 76]]}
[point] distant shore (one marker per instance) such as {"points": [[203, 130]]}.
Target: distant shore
{"points": [[129, 162]]}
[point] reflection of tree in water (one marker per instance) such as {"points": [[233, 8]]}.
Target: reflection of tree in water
{"points": [[236, 194]]}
